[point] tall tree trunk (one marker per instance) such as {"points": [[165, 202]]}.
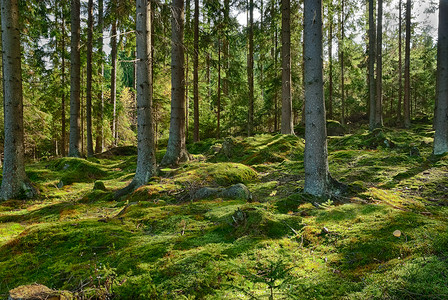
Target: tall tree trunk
{"points": [[372, 58], [250, 69], [176, 151], [15, 183], [75, 83], [407, 63], [379, 68], [113, 78], [187, 67], [146, 158], [287, 119], [400, 64], [218, 104], [63, 130], [317, 178], [196, 72], [341, 58], [330, 59], [99, 144], [441, 112], [89, 79]]}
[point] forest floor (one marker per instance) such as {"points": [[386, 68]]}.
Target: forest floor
{"points": [[385, 238]]}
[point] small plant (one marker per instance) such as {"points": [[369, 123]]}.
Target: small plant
{"points": [[327, 204]]}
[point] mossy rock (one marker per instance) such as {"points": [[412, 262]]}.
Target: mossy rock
{"points": [[77, 170], [118, 151], [37, 292], [99, 185], [335, 128]]}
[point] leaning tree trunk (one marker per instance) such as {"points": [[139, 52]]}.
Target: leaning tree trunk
{"points": [[89, 79], [146, 159], [317, 178], [379, 69], [196, 72], [372, 84], [287, 119], [15, 182], [407, 63], [250, 70], [176, 151], [441, 122], [75, 83]]}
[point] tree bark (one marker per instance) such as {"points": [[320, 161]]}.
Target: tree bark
{"points": [[176, 151], [379, 68], [407, 63], [250, 69], [15, 183], [341, 58], [196, 72], [372, 58], [146, 159], [400, 63], [218, 104], [99, 144], [287, 119], [63, 130], [89, 79], [113, 76], [317, 177], [75, 82], [441, 112], [330, 59]]}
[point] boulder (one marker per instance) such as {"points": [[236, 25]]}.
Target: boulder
{"points": [[237, 191], [334, 128], [206, 192], [99, 185], [38, 292]]}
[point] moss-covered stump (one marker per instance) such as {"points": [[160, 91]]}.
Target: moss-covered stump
{"points": [[38, 292], [99, 186], [334, 128]]}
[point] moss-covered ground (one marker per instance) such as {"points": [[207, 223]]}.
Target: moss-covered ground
{"points": [[386, 238]]}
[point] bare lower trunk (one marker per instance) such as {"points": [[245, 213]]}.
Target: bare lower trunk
{"points": [[15, 182], [113, 79], [400, 64], [63, 130], [287, 119], [218, 104], [176, 151], [99, 144], [250, 69], [441, 122], [341, 53], [330, 59], [379, 68], [89, 80], [407, 62], [75, 84], [196, 72], [372, 58]]}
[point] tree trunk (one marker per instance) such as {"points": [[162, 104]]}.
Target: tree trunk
{"points": [[15, 183], [250, 69], [196, 72], [317, 177], [400, 64], [441, 116], [99, 144], [187, 68], [218, 104], [287, 119], [407, 63], [113, 78], [146, 158], [89, 79], [372, 57], [330, 59], [176, 151], [379, 69], [75, 83], [63, 130], [341, 58]]}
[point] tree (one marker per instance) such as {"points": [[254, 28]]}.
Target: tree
{"points": [[63, 130], [196, 72], [317, 176], [407, 62], [330, 60], [113, 76], [341, 59], [250, 69], [441, 122], [372, 57], [89, 79], [176, 151], [15, 182], [400, 64], [75, 83], [99, 145], [287, 119], [379, 68]]}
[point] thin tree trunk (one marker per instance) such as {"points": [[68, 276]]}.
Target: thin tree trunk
{"points": [[287, 119], [407, 63], [63, 130], [341, 58], [82, 114], [187, 68], [99, 144], [113, 78], [316, 164], [218, 104], [250, 69], [75, 83], [372, 58], [400, 64], [89, 79], [379, 69], [330, 59], [196, 71], [176, 151], [146, 159]]}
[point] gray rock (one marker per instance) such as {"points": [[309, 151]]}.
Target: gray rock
{"points": [[237, 191], [60, 184], [206, 192]]}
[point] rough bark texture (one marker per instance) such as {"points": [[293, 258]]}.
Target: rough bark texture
{"points": [[176, 151], [407, 63], [146, 159], [250, 69], [379, 68], [99, 144], [441, 122], [218, 104], [75, 81], [372, 57], [330, 63], [15, 182], [316, 164], [287, 119], [341, 58], [196, 72], [113, 78], [400, 64], [89, 79], [63, 130]]}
